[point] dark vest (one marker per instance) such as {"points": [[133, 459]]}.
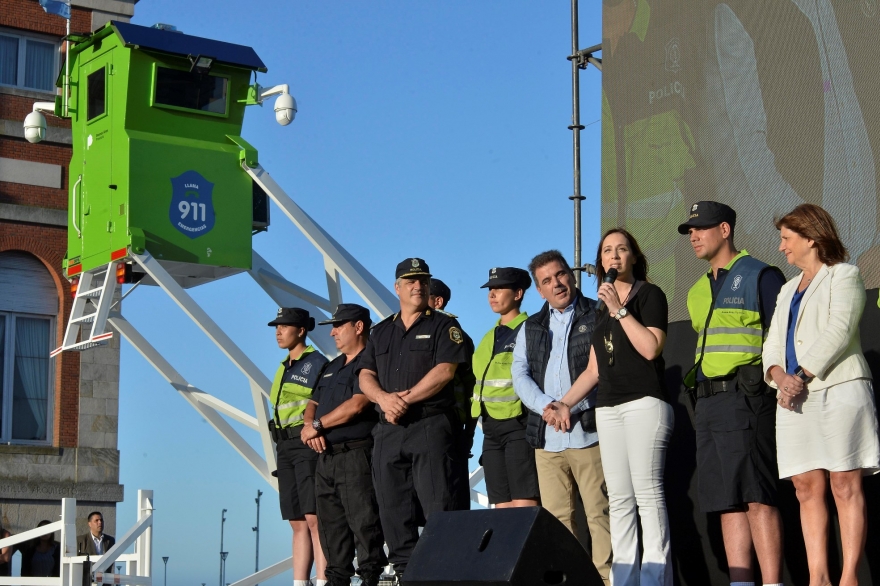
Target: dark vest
{"points": [[538, 354]]}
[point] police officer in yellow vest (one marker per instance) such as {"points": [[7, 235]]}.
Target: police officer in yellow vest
{"points": [[734, 411], [508, 460], [291, 390]]}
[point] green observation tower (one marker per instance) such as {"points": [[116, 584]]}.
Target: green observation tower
{"points": [[163, 189]]}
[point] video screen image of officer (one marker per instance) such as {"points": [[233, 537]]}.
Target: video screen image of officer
{"points": [[295, 379], [339, 422], [407, 369]]}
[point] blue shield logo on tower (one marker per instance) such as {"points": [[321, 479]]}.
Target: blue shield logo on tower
{"points": [[192, 206]]}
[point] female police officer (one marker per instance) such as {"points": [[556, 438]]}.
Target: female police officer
{"points": [[291, 391], [508, 460]]}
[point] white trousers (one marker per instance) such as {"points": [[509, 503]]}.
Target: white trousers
{"points": [[633, 438]]}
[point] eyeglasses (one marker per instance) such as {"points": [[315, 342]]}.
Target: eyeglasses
{"points": [[609, 348]]}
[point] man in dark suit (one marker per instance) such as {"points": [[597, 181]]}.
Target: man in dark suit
{"points": [[95, 542]]}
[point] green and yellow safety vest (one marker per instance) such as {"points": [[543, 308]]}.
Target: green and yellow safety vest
{"points": [[293, 385], [493, 359], [734, 336]]}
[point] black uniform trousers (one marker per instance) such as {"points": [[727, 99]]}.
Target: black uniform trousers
{"points": [[414, 471], [348, 516]]}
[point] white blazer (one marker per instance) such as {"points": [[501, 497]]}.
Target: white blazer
{"points": [[826, 334]]}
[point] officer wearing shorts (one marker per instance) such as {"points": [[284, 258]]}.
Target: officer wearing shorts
{"points": [[734, 411], [508, 460], [407, 370], [339, 425], [291, 391]]}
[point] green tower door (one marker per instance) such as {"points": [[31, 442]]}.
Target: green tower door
{"points": [[97, 180]]}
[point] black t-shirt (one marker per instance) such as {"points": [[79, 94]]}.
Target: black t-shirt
{"points": [[338, 384], [631, 376], [401, 357]]}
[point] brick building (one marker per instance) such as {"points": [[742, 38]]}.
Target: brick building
{"points": [[58, 417]]}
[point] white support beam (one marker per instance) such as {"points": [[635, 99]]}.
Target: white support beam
{"points": [[265, 574], [270, 281], [376, 296], [168, 372], [259, 383], [262, 268], [334, 285], [126, 541]]}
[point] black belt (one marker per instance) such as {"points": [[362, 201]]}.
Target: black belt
{"points": [[288, 433], [334, 449], [417, 413], [709, 388]]}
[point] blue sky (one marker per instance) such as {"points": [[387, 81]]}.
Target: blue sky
{"points": [[430, 129]]}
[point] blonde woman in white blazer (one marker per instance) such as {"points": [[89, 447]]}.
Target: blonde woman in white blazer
{"points": [[826, 420]]}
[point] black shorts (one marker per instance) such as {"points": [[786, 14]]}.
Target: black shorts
{"points": [[296, 478], [736, 450], [508, 460]]}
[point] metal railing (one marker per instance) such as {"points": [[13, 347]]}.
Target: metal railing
{"points": [[138, 565]]}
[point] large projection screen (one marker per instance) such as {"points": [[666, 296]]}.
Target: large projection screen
{"points": [[760, 104]]}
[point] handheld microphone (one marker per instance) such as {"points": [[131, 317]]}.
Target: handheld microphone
{"points": [[610, 277]]}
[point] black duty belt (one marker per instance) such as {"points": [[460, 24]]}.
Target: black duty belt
{"points": [[418, 412], [288, 433], [334, 449], [709, 388]]}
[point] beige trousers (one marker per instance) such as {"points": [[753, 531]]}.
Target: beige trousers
{"points": [[559, 475]]}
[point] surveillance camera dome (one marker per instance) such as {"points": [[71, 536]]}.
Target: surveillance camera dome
{"points": [[285, 109], [35, 127]]}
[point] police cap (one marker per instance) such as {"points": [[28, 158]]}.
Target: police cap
{"points": [[293, 316], [412, 267], [704, 214], [508, 278], [440, 289], [346, 312]]}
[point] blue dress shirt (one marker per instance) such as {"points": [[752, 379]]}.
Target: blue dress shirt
{"points": [[557, 381]]}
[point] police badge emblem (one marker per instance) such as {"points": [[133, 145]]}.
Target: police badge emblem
{"points": [[415, 263], [582, 328], [455, 335], [307, 368], [191, 210]]}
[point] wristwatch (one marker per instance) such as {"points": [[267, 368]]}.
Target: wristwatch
{"points": [[621, 313], [316, 423]]}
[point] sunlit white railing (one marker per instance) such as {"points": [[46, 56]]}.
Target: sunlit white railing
{"points": [[74, 571]]}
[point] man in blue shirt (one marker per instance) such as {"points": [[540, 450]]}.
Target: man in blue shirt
{"points": [[552, 350]]}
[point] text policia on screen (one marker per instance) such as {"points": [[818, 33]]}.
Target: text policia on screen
{"points": [[722, 103]]}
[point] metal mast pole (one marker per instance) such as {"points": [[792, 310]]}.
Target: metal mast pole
{"points": [[222, 553], [576, 128], [257, 531], [165, 580]]}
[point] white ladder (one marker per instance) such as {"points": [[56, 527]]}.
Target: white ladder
{"points": [[93, 324]]}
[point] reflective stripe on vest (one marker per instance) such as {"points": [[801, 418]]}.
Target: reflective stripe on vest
{"points": [[734, 337], [492, 361], [294, 396]]}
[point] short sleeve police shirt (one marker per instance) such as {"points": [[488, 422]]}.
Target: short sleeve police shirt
{"points": [[401, 357], [338, 384]]}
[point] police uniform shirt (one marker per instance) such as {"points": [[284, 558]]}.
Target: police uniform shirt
{"points": [[338, 384], [302, 371], [401, 357]]}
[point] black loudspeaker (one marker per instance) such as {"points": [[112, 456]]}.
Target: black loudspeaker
{"points": [[517, 547]]}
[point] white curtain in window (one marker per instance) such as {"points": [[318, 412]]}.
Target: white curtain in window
{"points": [[39, 65], [30, 395], [8, 60]]}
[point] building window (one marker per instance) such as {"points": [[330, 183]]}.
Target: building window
{"points": [[28, 62], [97, 93], [28, 309]]}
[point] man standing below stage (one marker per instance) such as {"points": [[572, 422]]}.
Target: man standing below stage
{"points": [[407, 370], [552, 350], [95, 543], [291, 391], [338, 424], [463, 389], [735, 412]]}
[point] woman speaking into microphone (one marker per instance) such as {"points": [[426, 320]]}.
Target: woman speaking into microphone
{"points": [[633, 417]]}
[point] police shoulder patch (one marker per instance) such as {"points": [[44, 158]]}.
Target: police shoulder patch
{"points": [[455, 335]]}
